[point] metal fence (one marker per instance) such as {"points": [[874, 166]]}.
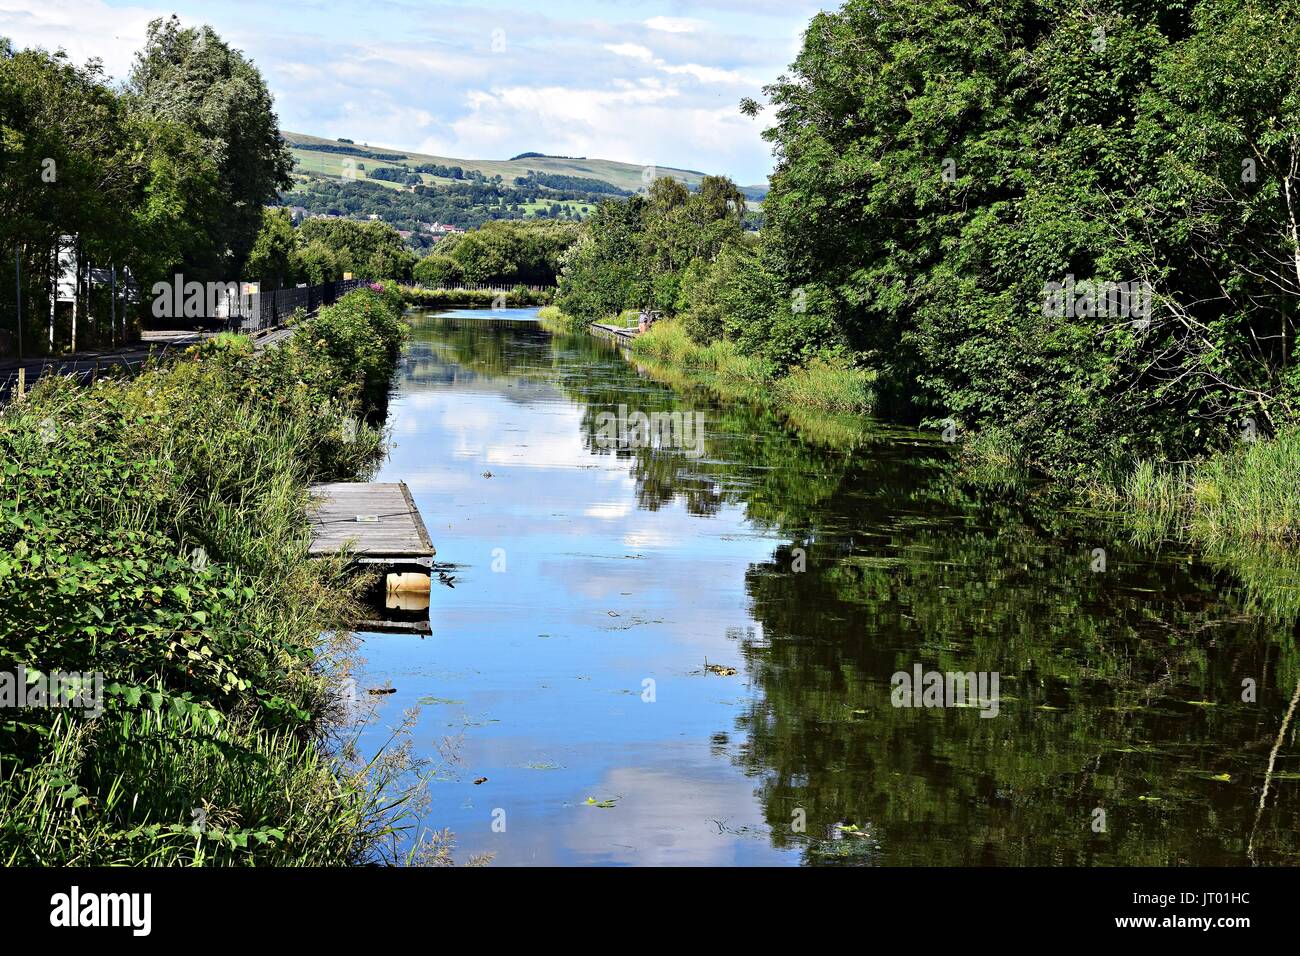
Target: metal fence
{"points": [[249, 313], [482, 287], [262, 311], [84, 371]]}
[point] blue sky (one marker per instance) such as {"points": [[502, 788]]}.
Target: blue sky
{"points": [[644, 82]]}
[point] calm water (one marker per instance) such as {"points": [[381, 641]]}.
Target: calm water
{"points": [[592, 584]]}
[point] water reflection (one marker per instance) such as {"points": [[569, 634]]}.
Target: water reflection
{"points": [[595, 579]]}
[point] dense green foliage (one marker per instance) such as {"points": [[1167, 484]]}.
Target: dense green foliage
{"points": [[579, 184], [518, 297], [941, 169], [635, 253], [155, 530], [1107, 144], [324, 250], [192, 77], [528, 253], [168, 175], [351, 150], [470, 200]]}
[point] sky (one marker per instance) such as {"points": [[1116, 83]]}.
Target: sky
{"points": [[651, 82]]}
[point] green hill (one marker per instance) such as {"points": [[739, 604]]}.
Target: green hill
{"points": [[330, 157]]}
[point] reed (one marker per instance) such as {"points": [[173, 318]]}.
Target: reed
{"points": [[155, 531]]}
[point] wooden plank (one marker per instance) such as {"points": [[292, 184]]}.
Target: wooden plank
{"points": [[612, 332], [372, 520], [423, 628]]}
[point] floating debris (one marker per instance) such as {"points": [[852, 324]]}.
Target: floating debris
{"points": [[720, 669]]}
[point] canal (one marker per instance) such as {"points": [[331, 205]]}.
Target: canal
{"points": [[682, 650]]}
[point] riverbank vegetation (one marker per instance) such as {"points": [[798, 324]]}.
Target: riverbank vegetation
{"points": [[1069, 233], [518, 297], [154, 530]]}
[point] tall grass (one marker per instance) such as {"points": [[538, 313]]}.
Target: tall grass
{"points": [[553, 320], [518, 297], [155, 530], [831, 385], [825, 383], [1248, 493]]}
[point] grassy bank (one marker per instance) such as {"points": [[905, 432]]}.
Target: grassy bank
{"points": [[1247, 496], [155, 530], [1249, 493], [824, 384], [553, 320], [518, 297]]}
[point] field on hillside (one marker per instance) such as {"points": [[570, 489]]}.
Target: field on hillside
{"points": [[627, 176], [336, 179]]}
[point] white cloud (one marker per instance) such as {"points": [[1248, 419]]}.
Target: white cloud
{"points": [[705, 74], [660, 90], [84, 28], [676, 24], [633, 50]]}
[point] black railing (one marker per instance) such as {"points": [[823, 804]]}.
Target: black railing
{"points": [[482, 287], [250, 314], [264, 311]]}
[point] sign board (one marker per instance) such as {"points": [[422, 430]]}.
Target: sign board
{"points": [[66, 269]]}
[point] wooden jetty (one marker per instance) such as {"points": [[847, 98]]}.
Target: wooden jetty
{"points": [[375, 522], [616, 332]]}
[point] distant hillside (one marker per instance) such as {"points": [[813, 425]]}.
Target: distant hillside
{"points": [[328, 157]]}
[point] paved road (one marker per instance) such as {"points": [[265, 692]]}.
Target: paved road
{"points": [[89, 364]]}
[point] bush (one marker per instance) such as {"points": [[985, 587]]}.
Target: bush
{"points": [[437, 271], [437, 298], [155, 530]]}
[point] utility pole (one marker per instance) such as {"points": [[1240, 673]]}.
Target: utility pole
{"points": [[18, 290], [76, 294], [54, 292]]}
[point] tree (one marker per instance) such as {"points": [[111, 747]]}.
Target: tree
{"points": [[273, 260], [319, 263], [369, 250], [132, 191], [437, 271], [941, 167], [601, 274], [192, 77]]}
